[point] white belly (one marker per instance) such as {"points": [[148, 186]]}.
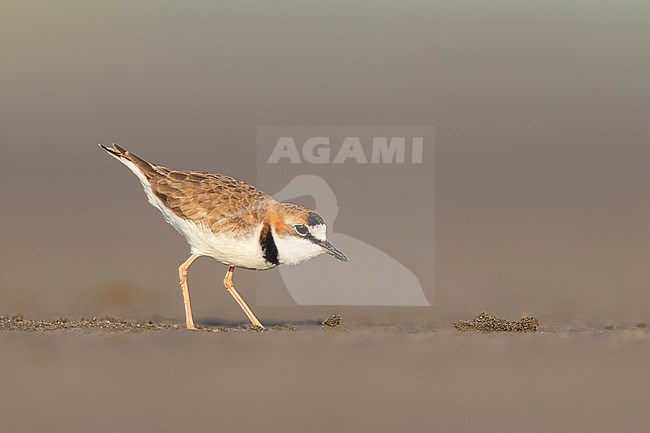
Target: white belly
{"points": [[243, 252]]}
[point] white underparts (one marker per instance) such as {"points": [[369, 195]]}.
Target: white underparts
{"points": [[243, 252]]}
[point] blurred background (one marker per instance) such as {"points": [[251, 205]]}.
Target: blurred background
{"points": [[541, 113]]}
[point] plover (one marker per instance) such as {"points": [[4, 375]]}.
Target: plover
{"points": [[229, 220]]}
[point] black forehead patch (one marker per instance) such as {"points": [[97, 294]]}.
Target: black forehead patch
{"points": [[313, 219]]}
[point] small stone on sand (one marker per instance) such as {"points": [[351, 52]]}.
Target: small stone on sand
{"points": [[332, 322]]}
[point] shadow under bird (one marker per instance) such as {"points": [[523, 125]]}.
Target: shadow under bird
{"points": [[229, 220]]}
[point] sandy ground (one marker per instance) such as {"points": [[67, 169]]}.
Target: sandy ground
{"points": [[307, 379], [541, 186]]}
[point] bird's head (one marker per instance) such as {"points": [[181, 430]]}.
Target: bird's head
{"points": [[300, 234]]}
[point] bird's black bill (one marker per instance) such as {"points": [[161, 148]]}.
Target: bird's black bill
{"points": [[331, 250]]}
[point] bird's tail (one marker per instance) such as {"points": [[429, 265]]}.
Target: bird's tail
{"points": [[127, 158]]}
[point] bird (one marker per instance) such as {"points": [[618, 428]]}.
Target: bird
{"points": [[230, 221]]}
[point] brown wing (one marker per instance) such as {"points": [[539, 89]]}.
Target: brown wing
{"points": [[220, 202]]}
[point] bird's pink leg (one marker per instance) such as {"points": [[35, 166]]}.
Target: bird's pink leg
{"points": [[182, 273], [227, 281]]}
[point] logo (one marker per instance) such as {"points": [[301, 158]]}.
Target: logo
{"points": [[318, 150], [373, 186]]}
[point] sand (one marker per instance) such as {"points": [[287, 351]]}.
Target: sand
{"points": [[485, 322], [157, 377]]}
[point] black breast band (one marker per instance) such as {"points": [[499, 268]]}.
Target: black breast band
{"points": [[269, 249]]}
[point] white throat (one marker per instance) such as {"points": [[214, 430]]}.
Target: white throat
{"points": [[293, 250]]}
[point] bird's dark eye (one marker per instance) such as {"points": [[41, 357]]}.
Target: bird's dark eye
{"points": [[301, 229]]}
